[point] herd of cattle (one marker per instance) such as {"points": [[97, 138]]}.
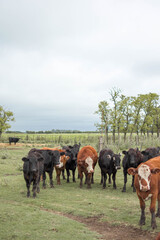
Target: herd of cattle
{"points": [[144, 166]]}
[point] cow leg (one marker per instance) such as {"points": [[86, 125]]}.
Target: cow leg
{"points": [[158, 209], [125, 181], [109, 180], [58, 173], [92, 179], [152, 210], [34, 188], [44, 178], [38, 188], [68, 174], [63, 174], [142, 206], [28, 188], [73, 174], [105, 179], [114, 180], [88, 177], [101, 177], [85, 179], [81, 179], [51, 179], [133, 184]]}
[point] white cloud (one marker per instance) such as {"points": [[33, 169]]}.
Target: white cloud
{"points": [[59, 59]]}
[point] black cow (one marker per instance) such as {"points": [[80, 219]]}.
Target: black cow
{"points": [[51, 159], [109, 163], [132, 158], [149, 153], [32, 171], [13, 139], [71, 164]]}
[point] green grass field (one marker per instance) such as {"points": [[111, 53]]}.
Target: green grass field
{"points": [[45, 216]]}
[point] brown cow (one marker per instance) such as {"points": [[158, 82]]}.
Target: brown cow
{"points": [[158, 237], [61, 166], [147, 184], [86, 162]]}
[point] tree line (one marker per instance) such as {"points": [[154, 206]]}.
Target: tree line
{"points": [[129, 114]]}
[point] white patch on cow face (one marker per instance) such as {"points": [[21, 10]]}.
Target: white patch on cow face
{"points": [[89, 161], [144, 173], [61, 163]]}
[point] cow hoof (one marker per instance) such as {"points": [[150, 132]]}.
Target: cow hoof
{"points": [[123, 190], [52, 186], [154, 225], [142, 222], [34, 195]]}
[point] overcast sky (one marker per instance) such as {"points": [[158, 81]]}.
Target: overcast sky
{"points": [[59, 59]]}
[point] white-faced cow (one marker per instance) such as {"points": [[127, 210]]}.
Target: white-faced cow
{"points": [[147, 184], [86, 162]]}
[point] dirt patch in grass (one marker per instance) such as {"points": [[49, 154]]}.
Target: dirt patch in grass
{"points": [[19, 146], [107, 230]]}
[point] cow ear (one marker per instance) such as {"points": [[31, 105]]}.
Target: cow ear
{"points": [[124, 152], [145, 153], [24, 159], [132, 171], [155, 170]]}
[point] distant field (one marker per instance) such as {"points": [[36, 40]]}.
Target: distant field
{"points": [[66, 211], [55, 139]]}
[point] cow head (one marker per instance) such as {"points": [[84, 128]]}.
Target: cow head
{"points": [[89, 165], [32, 163], [131, 156], [144, 173], [63, 160], [116, 161], [150, 153], [55, 155]]}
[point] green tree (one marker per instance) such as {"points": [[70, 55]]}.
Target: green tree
{"points": [[5, 118], [115, 98], [104, 113], [149, 103]]}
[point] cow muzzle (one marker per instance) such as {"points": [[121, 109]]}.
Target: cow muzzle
{"points": [[118, 167], [91, 171], [59, 165], [144, 188]]}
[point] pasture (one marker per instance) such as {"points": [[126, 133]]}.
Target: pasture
{"points": [[66, 211]]}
